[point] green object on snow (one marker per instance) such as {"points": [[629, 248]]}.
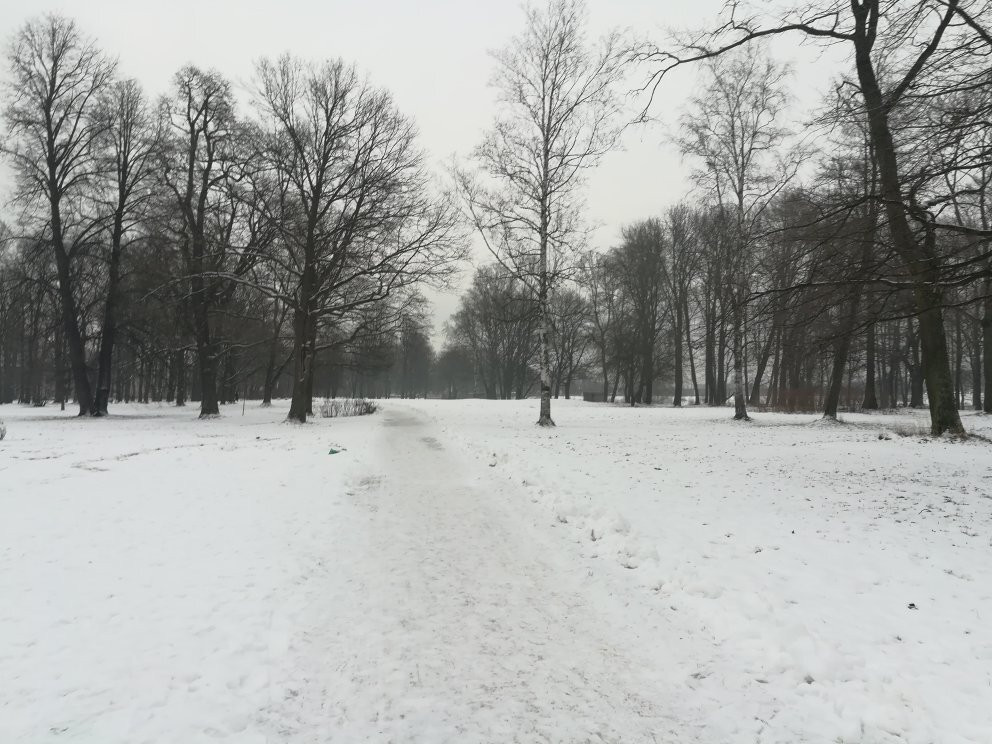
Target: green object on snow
{"points": [[335, 451]]}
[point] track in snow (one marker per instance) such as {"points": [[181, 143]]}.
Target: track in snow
{"points": [[450, 620]]}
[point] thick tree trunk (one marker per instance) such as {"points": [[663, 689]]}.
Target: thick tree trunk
{"points": [[299, 405], [936, 368], [207, 360], [60, 393], [311, 372], [921, 261], [209, 404]]}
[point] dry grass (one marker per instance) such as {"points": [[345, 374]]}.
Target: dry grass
{"points": [[347, 407]]}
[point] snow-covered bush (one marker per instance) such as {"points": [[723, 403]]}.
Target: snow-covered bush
{"points": [[347, 407], [3, 430]]}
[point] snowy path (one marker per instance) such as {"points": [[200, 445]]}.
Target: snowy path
{"points": [[457, 624], [456, 574]]}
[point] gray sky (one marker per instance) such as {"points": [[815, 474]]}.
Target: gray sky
{"points": [[431, 54]]}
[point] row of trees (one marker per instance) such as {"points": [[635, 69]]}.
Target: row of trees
{"points": [[197, 234], [911, 199], [654, 312], [245, 247], [799, 274]]}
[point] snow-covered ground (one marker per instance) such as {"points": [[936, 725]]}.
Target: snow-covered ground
{"points": [[458, 575]]}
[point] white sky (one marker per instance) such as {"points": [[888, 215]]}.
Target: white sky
{"points": [[431, 54]]}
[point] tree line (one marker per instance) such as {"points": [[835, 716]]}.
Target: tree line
{"points": [[182, 248], [851, 270]]}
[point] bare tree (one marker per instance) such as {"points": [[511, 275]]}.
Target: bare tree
{"points": [[495, 323], [570, 337], [683, 265], [57, 79], [900, 51], [129, 150], [734, 130], [557, 119], [641, 261], [203, 160], [601, 282], [356, 215]]}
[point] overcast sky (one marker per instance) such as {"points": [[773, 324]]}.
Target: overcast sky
{"points": [[433, 55]]}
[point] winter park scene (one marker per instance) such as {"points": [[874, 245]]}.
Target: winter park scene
{"points": [[555, 372]]}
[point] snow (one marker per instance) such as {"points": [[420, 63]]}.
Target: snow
{"points": [[457, 574]]}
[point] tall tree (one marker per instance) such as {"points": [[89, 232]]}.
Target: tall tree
{"points": [[201, 158], [900, 52], [557, 118], [57, 77], [356, 215], [734, 131], [131, 138]]}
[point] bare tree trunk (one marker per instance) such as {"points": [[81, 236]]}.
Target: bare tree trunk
{"points": [[688, 346], [70, 320], [107, 339], [766, 352], [721, 365], [606, 373], [709, 360], [922, 263], [740, 405], [679, 365], [312, 367], [299, 406], [915, 372], [545, 347], [60, 370], [976, 365], [958, 362], [842, 348], [771, 396], [987, 346], [180, 357], [207, 353], [870, 402]]}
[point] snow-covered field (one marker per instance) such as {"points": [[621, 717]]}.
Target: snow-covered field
{"points": [[458, 575]]}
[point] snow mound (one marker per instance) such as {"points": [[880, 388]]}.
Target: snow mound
{"points": [[826, 421]]}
